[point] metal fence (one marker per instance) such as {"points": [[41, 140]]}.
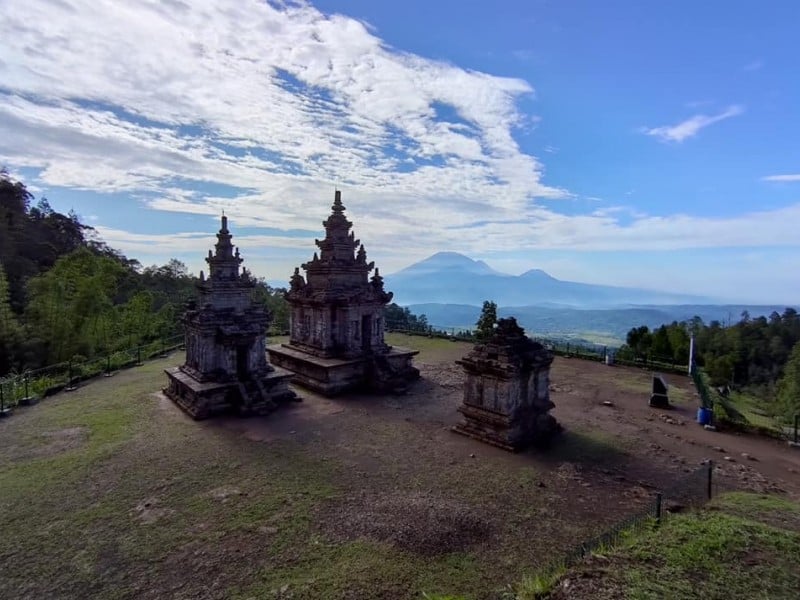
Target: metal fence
{"points": [[693, 490], [570, 349], [25, 388], [725, 414]]}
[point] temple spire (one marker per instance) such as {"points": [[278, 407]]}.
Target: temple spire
{"points": [[337, 207]]}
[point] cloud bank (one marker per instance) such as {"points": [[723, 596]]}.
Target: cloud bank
{"points": [[260, 109]]}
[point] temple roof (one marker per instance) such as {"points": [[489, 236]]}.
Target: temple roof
{"points": [[340, 271]]}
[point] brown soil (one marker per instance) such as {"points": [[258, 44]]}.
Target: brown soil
{"points": [[402, 478]]}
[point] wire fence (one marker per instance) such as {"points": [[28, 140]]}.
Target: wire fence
{"points": [[26, 387], [692, 491], [725, 414]]}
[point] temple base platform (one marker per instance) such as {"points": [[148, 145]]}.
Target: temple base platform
{"points": [[252, 397], [384, 373]]}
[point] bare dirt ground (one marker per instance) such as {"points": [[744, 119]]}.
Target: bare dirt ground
{"points": [[628, 439], [113, 491]]}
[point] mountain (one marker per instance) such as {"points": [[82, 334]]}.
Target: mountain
{"points": [[452, 278], [451, 262]]}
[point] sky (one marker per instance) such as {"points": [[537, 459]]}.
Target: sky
{"points": [[630, 143]]}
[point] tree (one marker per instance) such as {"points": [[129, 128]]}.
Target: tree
{"points": [[9, 327], [639, 339], [789, 385], [71, 305], [487, 320]]}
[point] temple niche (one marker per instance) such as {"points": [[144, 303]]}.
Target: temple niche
{"points": [[507, 390], [337, 323], [226, 368]]}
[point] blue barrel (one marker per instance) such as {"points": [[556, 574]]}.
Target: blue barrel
{"points": [[703, 415]]}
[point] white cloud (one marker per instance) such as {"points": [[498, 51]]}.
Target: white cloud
{"points": [[793, 177], [174, 103], [690, 127], [754, 65], [318, 98]]}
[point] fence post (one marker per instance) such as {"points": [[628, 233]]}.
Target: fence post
{"points": [[796, 422], [138, 355], [709, 479], [659, 499], [3, 411]]}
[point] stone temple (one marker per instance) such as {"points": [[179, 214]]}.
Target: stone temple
{"points": [[507, 390], [337, 325], [226, 369]]}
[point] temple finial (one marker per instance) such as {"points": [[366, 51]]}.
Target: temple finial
{"points": [[337, 202]]}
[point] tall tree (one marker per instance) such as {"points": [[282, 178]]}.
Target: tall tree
{"points": [[70, 305], [487, 320], [10, 330], [789, 385]]}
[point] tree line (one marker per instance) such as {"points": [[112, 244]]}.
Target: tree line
{"points": [[66, 295], [761, 354]]}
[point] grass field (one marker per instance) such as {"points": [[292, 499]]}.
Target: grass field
{"points": [[112, 492]]}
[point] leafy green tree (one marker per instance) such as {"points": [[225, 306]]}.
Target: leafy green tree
{"points": [[10, 330], [274, 299], [789, 385], [71, 304], [639, 340], [487, 320], [661, 347]]}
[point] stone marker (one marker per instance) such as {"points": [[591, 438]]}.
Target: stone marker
{"points": [[226, 367], [507, 390], [659, 398], [337, 323]]}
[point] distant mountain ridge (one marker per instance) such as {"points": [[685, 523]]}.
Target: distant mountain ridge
{"points": [[610, 324], [452, 278]]}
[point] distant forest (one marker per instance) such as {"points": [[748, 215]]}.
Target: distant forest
{"points": [[66, 295]]}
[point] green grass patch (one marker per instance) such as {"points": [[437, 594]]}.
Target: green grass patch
{"points": [[756, 410], [733, 549], [428, 345]]}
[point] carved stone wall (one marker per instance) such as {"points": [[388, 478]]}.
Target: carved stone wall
{"points": [[507, 390]]}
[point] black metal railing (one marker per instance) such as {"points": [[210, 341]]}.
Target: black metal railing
{"points": [[25, 387]]}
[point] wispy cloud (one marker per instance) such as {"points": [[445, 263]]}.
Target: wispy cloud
{"points": [[792, 177], [690, 127], [754, 65]]}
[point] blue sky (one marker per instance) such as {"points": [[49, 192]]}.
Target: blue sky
{"points": [[626, 143]]}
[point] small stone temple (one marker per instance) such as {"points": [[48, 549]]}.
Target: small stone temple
{"points": [[226, 369], [507, 390], [337, 325]]}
